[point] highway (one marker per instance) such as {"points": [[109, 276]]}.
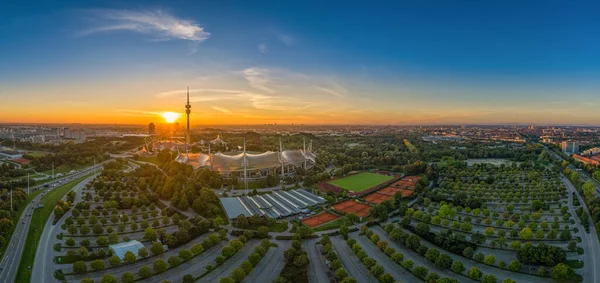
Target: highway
{"points": [[11, 259], [43, 267]]}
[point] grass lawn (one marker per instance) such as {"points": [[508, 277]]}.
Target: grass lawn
{"points": [[361, 181], [37, 153], [335, 224], [18, 216], [38, 221], [153, 159], [576, 264]]}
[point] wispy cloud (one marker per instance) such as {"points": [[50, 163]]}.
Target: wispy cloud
{"points": [[335, 90], [223, 110], [158, 24], [287, 39], [263, 48], [258, 78]]}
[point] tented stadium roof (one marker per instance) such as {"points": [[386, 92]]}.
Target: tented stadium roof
{"points": [[226, 163]]}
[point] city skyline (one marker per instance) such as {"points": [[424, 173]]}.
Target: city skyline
{"points": [[408, 63]]}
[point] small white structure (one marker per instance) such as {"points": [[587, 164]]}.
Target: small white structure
{"points": [[121, 248]]}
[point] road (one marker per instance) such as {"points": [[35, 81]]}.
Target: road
{"points": [[317, 271], [399, 273], [43, 264], [271, 265], [355, 268], [590, 243], [11, 259]]}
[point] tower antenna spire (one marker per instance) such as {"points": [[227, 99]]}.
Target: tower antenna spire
{"points": [[188, 110]]}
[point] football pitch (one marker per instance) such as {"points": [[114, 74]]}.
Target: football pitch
{"points": [[361, 181]]}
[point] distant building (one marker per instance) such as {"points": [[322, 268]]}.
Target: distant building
{"points": [[591, 151], [11, 154], [151, 129], [570, 147]]}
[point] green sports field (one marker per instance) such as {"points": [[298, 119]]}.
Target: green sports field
{"points": [[361, 181]]}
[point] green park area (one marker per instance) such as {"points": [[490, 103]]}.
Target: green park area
{"points": [[361, 181]]}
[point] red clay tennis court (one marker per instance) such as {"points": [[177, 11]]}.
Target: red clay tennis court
{"points": [[350, 206], [377, 198], [319, 219]]}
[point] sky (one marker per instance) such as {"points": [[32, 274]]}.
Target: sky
{"points": [[303, 62]]}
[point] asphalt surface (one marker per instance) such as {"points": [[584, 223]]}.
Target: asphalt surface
{"points": [[271, 265], [43, 264], [317, 270], [399, 273], [232, 263], [352, 264], [11, 259], [590, 243]]}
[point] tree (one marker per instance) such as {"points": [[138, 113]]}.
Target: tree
{"points": [[145, 271], [228, 251], [489, 260], [444, 261], [157, 248], [301, 260], [79, 267], [143, 252], [344, 231], [113, 238], [150, 234], [420, 271], [489, 278], [589, 190], [174, 261], [185, 254], [526, 234], [109, 278], [160, 266], [377, 270], [197, 249], [97, 265], [238, 274], [458, 267], [128, 277], [70, 242], [468, 252], [340, 273], [514, 265], [129, 257], [562, 272], [432, 254], [474, 273], [102, 241], [114, 260]]}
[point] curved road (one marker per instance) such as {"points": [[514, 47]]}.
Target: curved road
{"points": [[11, 259], [43, 263]]}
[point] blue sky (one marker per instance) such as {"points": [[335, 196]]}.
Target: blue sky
{"points": [[306, 62]]}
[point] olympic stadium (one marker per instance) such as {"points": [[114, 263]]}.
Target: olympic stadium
{"points": [[252, 165]]}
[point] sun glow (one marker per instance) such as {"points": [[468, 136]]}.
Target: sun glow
{"points": [[170, 117]]}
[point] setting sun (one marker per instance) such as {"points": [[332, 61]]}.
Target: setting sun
{"points": [[170, 117]]}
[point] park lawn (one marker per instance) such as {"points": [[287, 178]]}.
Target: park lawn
{"points": [[17, 217], [573, 263], [37, 153], [361, 181], [153, 160], [335, 224], [38, 221]]}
